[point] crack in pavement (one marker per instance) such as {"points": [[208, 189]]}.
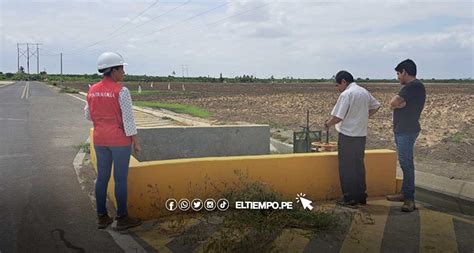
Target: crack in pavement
{"points": [[68, 244]]}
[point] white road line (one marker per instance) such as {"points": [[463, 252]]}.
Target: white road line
{"points": [[13, 119], [14, 156], [27, 90], [24, 91], [6, 83], [76, 97]]}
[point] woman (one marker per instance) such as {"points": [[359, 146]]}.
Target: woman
{"points": [[109, 107]]}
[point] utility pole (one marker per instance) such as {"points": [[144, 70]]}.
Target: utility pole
{"points": [[184, 69], [61, 64], [18, 57], [37, 59]]}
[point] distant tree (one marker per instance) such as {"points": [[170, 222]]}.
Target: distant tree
{"points": [[221, 79], [22, 70], [173, 73]]}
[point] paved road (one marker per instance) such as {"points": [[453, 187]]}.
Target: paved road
{"points": [[42, 206]]}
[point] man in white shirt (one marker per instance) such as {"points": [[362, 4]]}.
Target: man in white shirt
{"points": [[351, 116]]}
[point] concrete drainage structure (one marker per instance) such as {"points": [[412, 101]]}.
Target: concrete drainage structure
{"points": [[174, 142], [234, 154]]}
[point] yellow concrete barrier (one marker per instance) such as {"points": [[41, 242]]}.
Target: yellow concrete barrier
{"points": [[151, 183]]}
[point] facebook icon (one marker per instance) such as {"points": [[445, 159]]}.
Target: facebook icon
{"points": [[171, 204]]}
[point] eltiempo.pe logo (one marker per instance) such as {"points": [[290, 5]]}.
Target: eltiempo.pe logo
{"points": [[224, 204]]}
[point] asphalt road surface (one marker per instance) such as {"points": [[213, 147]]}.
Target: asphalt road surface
{"points": [[42, 206]]}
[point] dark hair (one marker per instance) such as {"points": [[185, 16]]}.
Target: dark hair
{"points": [[344, 75], [108, 71], [408, 65]]}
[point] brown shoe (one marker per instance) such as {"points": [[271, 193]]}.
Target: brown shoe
{"points": [[127, 222], [103, 221], [408, 206], [396, 197]]}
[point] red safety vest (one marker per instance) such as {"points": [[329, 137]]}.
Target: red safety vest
{"points": [[106, 115]]}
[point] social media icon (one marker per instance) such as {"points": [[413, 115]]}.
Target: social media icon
{"points": [[184, 204], [196, 204], [171, 204], [223, 204], [210, 204]]}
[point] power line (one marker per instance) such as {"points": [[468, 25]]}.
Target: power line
{"points": [[188, 19], [217, 21], [95, 51], [169, 26], [163, 14], [137, 16], [238, 14], [139, 25]]}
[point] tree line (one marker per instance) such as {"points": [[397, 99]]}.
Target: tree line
{"points": [[91, 78]]}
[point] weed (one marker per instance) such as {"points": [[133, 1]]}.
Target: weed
{"points": [[457, 137], [69, 90], [84, 146], [255, 230]]}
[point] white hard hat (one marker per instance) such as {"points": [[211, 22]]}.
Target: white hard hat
{"points": [[109, 59]]}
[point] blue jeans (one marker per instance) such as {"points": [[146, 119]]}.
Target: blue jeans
{"points": [[405, 143], [120, 156]]}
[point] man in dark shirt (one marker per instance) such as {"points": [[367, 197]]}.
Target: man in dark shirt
{"points": [[407, 107]]}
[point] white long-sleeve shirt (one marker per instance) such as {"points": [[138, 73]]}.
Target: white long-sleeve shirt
{"points": [[125, 101]]}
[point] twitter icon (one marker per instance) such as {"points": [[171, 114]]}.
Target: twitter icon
{"points": [[196, 205]]}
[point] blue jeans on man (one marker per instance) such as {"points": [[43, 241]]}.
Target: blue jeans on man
{"points": [[405, 143], [120, 157]]}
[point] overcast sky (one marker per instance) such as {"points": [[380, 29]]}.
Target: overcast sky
{"points": [[306, 39]]}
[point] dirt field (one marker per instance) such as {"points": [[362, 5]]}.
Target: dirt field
{"points": [[447, 121]]}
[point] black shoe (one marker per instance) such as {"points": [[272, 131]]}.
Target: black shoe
{"points": [[350, 203], [127, 222], [103, 221]]}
